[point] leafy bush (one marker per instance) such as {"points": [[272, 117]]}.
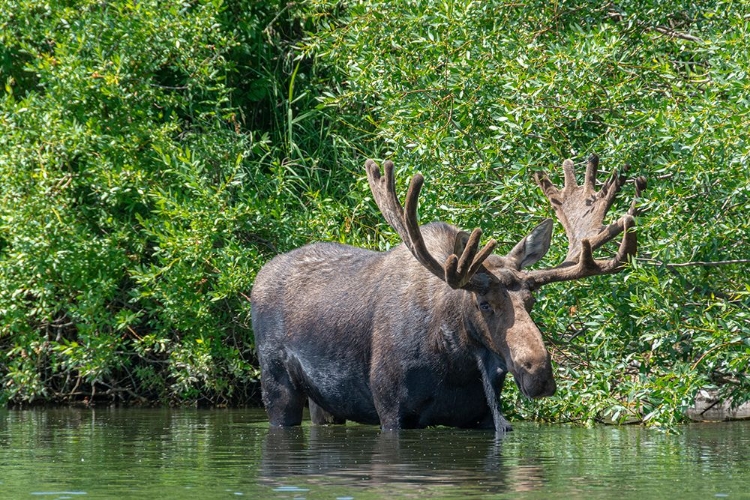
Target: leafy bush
{"points": [[477, 95], [155, 155], [144, 179]]}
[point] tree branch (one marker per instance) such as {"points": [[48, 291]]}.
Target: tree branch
{"points": [[617, 16], [716, 263], [676, 34]]}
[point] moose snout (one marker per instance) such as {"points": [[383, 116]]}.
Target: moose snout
{"points": [[543, 388], [536, 381], [537, 387]]}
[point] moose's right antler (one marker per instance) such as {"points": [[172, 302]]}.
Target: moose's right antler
{"points": [[458, 271], [581, 211]]}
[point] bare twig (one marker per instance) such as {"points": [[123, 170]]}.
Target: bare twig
{"points": [[617, 17], [477, 151], [725, 344], [716, 263], [269, 27], [676, 34], [470, 139]]}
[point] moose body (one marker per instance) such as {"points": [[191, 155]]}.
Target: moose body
{"points": [[375, 338], [396, 339]]}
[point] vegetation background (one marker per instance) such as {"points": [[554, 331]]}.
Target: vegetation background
{"points": [[154, 155]]}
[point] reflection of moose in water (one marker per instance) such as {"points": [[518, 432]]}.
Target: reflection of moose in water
{"points": [[424, 334], [362, 456]]}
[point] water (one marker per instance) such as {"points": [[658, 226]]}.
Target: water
{"points": [[111, 453]]}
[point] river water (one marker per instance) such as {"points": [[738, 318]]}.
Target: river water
{"points": [[203, 454]]}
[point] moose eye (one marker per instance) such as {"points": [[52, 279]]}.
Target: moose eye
{"points": [[529, 303], [485, 306]]}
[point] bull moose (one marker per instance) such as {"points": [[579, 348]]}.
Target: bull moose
{"points": [[424, 333]]}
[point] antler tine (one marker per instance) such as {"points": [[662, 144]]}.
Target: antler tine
{"points": [[416, 242], [404, 222], [640, 186], [591, 167], [548, 188], [613, 185], [384, 191], [469, 252], [617, 227], [485, 252], [460, 271], [570, 176], [457, 271]]}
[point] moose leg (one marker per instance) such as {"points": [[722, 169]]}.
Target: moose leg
{"points": [[390, 419], [321, 417], [396, 411], [283, 401], [388, 405], [493, 376]]}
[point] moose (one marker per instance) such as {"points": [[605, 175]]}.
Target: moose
{"points": [[425, 333]]}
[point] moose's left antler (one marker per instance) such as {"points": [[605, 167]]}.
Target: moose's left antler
{"points": [[581, 211]]}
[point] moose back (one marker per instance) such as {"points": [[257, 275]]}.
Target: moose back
{"points": [[425, 333]]}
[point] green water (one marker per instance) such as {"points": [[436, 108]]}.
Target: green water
{"points": [[123, 454]]}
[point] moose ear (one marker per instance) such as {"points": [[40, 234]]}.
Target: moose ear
{"points": [[533, 247]]}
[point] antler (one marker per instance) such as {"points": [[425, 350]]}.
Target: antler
{"points": [[457, 271], [581, 211]]}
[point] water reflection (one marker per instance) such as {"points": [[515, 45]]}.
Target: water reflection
{"points": [[368, 457], [112, 453]]}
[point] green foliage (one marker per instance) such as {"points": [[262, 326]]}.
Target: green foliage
{"points": [[146, 174], [477, 95], [154, 155]]}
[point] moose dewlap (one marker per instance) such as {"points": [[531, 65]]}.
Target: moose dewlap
{"points": [[425, 333]]}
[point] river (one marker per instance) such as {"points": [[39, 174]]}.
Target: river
{"points": [[203, 454]]}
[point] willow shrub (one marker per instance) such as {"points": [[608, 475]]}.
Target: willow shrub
{"points": [[151, 159], [477, 95]]}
